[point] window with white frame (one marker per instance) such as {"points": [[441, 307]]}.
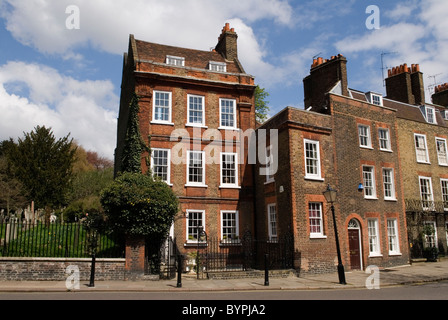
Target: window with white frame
{"points": [[229, 169], [388, 184], [315, 219], [421, 149], [160, 164], [161, 107], [384, 139], [368, 175], [229, 226], [227, 113], [269, 164], [426, 194], [217, 66], [374, 242], [175, 61], [392, 233], [431, 239], [430, 114], [312, 159], [444, 185], [195, 223], [196, 168], [376, 99], [441, 151], [272, 222], [364, 136], [196, 114]]}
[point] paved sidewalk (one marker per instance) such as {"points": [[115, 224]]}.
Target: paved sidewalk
{"points": [[410, 274]]}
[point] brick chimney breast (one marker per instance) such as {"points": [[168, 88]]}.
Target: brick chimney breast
{"points": [[227, 43]]}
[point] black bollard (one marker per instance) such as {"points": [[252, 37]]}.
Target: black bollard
{"points": [[92, 272], [266, 270], [179, 271]]}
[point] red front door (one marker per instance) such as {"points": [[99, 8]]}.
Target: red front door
{"points": [[355, 250]]}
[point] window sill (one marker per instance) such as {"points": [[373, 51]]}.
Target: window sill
{"points": [[375, 255], [196, 125], [317, 236], [424, 162], [370, 198], [386, 150], [391, 199], [229, 128], [366, 147], [191, 243], [314, 178], [391, 254], [162, 122], [196, 185], [232, 186]]}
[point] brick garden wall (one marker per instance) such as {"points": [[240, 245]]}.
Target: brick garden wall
{"points": [[54, 269]]}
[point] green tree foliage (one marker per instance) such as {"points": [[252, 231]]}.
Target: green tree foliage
{"points": [[43, 165], [261, 104], [134, 146], [138, 205]]}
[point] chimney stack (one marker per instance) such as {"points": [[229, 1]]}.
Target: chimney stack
{"points": [[227, 43], [440, 96], [324, 75], [405, 84]]}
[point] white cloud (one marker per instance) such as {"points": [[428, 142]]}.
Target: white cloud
{"points": [[85, 109]]}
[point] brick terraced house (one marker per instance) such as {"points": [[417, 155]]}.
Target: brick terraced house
{"points": [[382, 154], [193, 105]]}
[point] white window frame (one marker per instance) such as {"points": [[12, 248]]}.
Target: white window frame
{"points": [[389, 184], [430, 115], [431, 239], [316, 175], [235, 221], [421, 152], [221, 126], [195, 183], [202, 111], [364, 135], [154, 106], [312, 206], [272, 222], [269, 161], [427, 197], [202, 219], [369, 184], [168, 173], [175, 61], [224, 184], [217, 66], [374, 238], [384, 140], [444, 189], [376, 99], [392, 237], [442, 155]]}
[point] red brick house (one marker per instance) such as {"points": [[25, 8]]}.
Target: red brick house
{"points": [[194, 105]]}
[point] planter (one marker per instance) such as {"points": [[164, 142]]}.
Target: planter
{"points": [[431, 254]]}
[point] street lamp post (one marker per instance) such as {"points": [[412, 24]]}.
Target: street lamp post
{"points": [[330, 195]]}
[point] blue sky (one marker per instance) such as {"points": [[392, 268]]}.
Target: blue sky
{"points": [[69, 78]]}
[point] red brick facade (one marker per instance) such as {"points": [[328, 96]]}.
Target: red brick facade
{"points": [[198, 108]]}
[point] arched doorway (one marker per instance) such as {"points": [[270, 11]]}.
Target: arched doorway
{"points": [[354, 244]]}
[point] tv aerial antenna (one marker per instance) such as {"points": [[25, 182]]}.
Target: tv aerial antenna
{"points": [[432, 86], [384, 67]]}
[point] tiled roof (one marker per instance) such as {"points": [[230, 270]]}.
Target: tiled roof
{"points": [[404, 110], [193, 58]]}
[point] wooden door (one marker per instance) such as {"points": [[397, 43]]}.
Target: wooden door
{"points": [[354, 247]]}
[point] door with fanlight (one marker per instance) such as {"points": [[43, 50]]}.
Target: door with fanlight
{"points": [[354, 244]]}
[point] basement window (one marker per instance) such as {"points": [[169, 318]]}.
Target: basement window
{"points": [[175, 61]]}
